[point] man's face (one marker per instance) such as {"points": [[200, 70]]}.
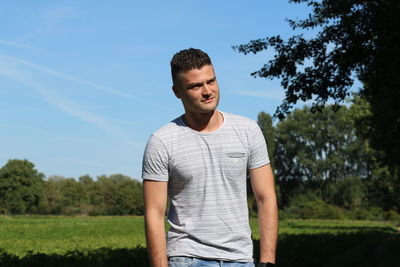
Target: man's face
{"points": [[198, 90]]}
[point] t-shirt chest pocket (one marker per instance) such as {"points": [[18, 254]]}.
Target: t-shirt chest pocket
{"points": [[235, 163]]}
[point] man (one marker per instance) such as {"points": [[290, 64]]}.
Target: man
{"points": [[201, 161]]}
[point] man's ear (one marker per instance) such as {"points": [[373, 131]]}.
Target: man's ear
{"points": [[176, 91]]}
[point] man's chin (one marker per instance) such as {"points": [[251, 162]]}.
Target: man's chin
{"points": [[208, 110], [210, 107]]}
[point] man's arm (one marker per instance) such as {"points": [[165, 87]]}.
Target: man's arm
{"points": [[155, 201], [262, 181]]}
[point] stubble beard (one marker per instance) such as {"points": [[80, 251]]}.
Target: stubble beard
{"points": [[214, 107]]}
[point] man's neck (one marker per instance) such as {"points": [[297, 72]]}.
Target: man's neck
{"points": [[204, 122]]}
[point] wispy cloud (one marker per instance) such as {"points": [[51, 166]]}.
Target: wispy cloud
{"points": [[72, 109], [277, 94], [75, 79], [12, 71], [17, 45]]}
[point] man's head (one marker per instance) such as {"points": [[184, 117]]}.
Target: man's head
{"points": [[194, 81], [186, 60]]}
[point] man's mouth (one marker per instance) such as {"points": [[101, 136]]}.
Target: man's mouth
{"points": [[208, 100]]}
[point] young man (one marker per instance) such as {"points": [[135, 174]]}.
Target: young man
{"points": [[201, 161]]}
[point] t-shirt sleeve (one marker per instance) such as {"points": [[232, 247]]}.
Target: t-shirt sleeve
{"points": [[155, 160], [258, 149]]}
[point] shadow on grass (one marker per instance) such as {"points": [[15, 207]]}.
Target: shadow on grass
{"points": [[366, 248], [99, 257]]}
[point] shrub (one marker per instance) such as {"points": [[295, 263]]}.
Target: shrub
{"points": [[392, 215], [311, 206], [373, 214]]}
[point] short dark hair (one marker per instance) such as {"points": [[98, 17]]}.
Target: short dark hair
{"points": [[188, 59]]}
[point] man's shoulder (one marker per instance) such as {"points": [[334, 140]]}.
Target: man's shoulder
{"points": [[239, 120], [169, 128]]}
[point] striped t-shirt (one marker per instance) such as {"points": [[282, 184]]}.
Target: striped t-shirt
{"points": [[206, 175]]}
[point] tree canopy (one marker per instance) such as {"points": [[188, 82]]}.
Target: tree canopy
{"points": [[354, 39], [20, 187], [320, 156]]}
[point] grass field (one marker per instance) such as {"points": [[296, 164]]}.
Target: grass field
{"points": [[18, 235], [120, 241]]}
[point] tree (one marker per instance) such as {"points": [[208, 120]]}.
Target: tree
{"points": [[73, 195], [384, 188], [349, 192], [318, 146], [86, 179], [264, 120], [328, 154], [315, 151], [21, 187], [355, 39], [52, 195], [383, 180], [122, 194]]}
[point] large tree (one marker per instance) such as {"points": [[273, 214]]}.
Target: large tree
{"points": [[355, 39], [313, 150], [326, 153], [21, 187]]}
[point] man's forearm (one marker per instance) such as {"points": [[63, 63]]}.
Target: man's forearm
{"points": [[268, 226], [156, 242]]}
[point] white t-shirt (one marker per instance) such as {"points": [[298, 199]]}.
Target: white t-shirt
{"points": [[206, 175]]}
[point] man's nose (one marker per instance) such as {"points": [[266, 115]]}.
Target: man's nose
{"points": [[207, 90]]}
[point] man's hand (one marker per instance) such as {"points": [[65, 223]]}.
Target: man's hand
{"points": [[262, 181], [155, 201]]}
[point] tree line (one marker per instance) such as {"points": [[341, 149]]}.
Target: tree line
{"points": [[24, 190], [325, 166], [323, 162]]}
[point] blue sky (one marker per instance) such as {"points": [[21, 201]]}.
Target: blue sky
{"points": [[83, 84]]}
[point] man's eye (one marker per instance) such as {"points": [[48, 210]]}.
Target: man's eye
{"points": [[196, 86]]}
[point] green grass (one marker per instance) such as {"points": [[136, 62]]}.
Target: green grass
{"points": [[334, 226], [105, 241], [21, 234]]}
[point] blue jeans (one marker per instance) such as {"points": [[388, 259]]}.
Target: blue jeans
{"points": [[194, 262]]}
